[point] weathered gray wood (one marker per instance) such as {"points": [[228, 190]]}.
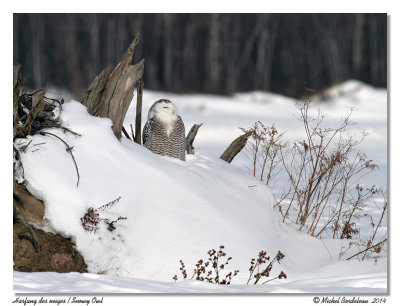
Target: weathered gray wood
{"points": [[235, 147], [93, 94], [190, 138], [138, 119], [110, 93]]}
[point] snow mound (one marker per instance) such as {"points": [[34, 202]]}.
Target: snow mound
{"points": [[174, 209]]}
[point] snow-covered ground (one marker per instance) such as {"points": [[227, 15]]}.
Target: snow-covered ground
{"points": [[180, 210]]}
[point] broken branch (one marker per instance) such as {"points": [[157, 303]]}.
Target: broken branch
{"points": [[235, 147]]}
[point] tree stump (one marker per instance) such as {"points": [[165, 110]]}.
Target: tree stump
{"points": [[190, 138], [111, 92]]}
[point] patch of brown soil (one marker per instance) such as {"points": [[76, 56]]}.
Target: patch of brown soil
{"points": [[56, 253]]}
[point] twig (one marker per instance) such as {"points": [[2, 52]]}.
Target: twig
{"points": [[267, 281], [380, 222], [26, 146], [70, 131], [371, 247], [326, 248], [378, 226], [69, 149]]}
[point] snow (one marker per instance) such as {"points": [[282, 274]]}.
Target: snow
{"points": [[222, 116], [180, 210], [355, 281]]}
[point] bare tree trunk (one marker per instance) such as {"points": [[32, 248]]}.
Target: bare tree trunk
{"points": [[94, 28], [37, 29], [71, 45], [265, 52], [189, 58], [231, 51], [110, 41], [213, 52], [357, 44], [373, 50], [167, 22], [110, 94]]}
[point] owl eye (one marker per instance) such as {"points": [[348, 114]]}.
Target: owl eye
{"points": [[165, 107]]}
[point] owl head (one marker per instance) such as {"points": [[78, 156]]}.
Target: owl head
{"points": [[163, 110]]}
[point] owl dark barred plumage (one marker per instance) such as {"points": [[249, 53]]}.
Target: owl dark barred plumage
{"points": [[164, 131]]}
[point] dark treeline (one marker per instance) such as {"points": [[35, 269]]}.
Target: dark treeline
{"points": [[214, 53]]}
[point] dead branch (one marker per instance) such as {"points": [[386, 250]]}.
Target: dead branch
{"points": [[190, 138], [69, 150], [235, 147]]}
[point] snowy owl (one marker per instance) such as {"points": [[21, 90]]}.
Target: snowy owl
{"points": [[164, 131]]}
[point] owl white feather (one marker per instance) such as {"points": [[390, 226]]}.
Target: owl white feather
{"points": [[164, 131]]}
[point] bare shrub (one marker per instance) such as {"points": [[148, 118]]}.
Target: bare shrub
{"points": [[376, 243], [259, 271], [263, 150], [375, 229], [323, 171], [91, 219], [211, 270]]}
